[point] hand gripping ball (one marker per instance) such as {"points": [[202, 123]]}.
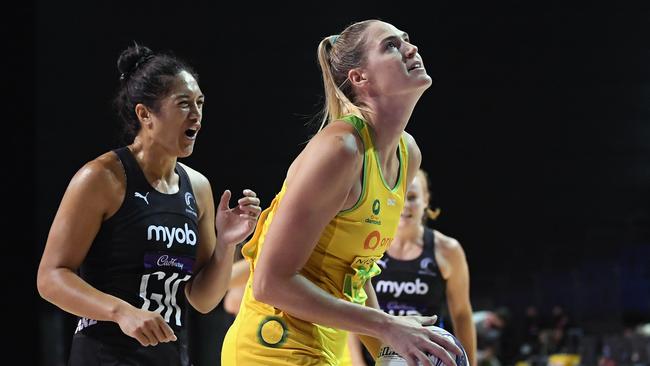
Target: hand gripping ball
{"points": [[388, 357]]}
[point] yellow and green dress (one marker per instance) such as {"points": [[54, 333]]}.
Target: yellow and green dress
{"points": [[342, 261]]}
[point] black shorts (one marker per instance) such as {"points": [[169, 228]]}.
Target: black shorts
{"points": [[94, 351]]}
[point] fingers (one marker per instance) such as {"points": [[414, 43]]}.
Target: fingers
{"points": [[142, 338], [418, 358], [249, 201], [163, 331], [167, 331], [445, 342], [425, 360], [154, 331], [148, 337], [250, 204], [225, 200], [249, 193], [441, 353], [429, 342], [253, 211], [158, 334], [428, 320], [249, 216]]}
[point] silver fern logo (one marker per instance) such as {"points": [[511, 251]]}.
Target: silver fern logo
{"points": [[190, 201]]}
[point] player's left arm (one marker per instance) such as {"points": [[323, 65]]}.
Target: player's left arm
{"points": [[215, 255]]}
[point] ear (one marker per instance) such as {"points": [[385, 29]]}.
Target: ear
{"points": [[143, 113], [357, 77]]}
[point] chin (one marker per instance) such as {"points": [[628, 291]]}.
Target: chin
{"points": [[186, 152], [426, 81], [421, 85]]}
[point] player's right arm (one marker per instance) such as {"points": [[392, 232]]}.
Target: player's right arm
{"points": [[317, 189], [94, 193], [370, 343]]}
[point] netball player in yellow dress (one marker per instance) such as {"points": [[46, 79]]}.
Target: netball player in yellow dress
{"points": [[314, 249]]}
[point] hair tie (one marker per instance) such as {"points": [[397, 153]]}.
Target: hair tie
{"points": [[333, 39], [138, 64], [141, 62]]}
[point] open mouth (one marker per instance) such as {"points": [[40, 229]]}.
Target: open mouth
{"points": [[416, 65], [190, 133]]}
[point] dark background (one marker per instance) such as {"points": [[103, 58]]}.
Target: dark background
{"points": [[536, 132]]}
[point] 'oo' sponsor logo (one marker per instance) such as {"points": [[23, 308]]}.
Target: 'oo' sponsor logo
{"points": [[374, 239]]}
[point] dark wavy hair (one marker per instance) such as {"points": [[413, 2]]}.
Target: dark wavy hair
{"points": [[145, 77]]}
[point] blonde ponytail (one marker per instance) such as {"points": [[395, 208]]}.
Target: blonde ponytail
{"points": [[337, 55]]}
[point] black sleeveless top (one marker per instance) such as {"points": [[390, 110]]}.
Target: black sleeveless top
{"points": [[145, 252], [412, 287]]}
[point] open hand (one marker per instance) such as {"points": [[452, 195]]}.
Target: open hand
{"points": [[235, 224]]}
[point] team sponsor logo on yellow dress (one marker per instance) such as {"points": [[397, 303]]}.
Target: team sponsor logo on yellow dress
{"points": [[364, 269], [272, 332], [374, 218], [374, 239]]}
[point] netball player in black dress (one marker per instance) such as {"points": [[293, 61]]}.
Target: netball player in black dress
{"points": [[134, 239]]}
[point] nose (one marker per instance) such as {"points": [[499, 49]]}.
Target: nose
{"points": [[411, 50], [196, 112]]}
